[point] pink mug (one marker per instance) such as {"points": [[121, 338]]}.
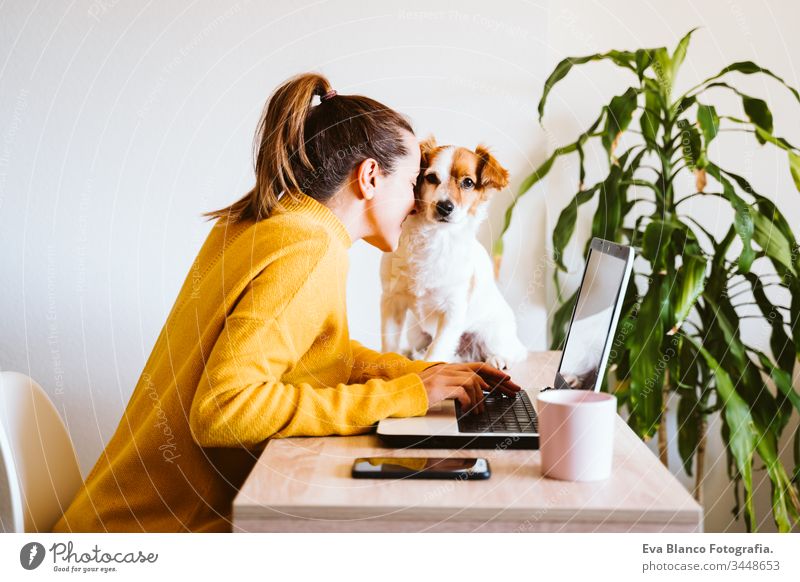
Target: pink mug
{"points": [[576, 434]]}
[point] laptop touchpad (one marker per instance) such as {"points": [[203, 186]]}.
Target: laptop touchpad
{"points": [[443, 408]]}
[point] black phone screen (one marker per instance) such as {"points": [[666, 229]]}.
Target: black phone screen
{"points": [[421, 467]]}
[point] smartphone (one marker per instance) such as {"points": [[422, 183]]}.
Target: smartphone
{"points": [[421, 468]]}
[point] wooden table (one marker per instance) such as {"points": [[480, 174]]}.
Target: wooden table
{"points": [[304, 484]]}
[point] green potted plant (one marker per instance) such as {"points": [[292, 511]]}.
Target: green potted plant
{"points": [[680, 328]]}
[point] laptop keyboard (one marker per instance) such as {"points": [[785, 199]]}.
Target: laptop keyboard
{"points": [[500, 414]]}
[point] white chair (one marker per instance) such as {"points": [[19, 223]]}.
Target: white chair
{"points": [[39, 474]]}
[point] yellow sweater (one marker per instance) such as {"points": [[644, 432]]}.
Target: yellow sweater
{"points": [[255, 347]]}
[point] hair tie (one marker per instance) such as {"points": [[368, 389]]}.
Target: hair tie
{"points": [[328, 95]]}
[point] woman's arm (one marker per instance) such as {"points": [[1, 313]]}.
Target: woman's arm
{"points": [[368, 364], [241, 400]]}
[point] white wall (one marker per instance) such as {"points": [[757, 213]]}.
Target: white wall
{"points": [[120, 122]]}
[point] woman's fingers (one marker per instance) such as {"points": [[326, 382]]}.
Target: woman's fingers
{"points": [[495, 376], [472, 385], [506, 386], [460, 394], [479, 385], [477, 396], [471, 378], [488, 371], [474, 378]]}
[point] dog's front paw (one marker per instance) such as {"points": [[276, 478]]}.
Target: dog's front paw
{"points": [[498, 362], [503, 362]]}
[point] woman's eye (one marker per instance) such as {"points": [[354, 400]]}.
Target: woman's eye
{"points": [[467, 183]]}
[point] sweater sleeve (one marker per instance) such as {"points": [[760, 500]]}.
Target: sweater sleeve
{"points": [[368, 364], [241, 400]]}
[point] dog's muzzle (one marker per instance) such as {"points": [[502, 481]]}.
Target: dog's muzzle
{"points": [[444, 208]]}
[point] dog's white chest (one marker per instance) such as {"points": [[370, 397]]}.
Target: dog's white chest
{"points": [[428, 266]]}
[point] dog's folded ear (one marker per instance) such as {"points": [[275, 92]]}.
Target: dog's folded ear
{"points": [[426, 147], [490, 173]]}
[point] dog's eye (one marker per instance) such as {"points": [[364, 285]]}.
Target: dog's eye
{"points": [[467, 183], [431, 179]]}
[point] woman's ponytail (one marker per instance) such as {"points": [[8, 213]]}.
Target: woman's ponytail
{"points": [[311, 148]]}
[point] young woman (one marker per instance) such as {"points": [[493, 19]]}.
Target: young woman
{"points": [[257, 345]]}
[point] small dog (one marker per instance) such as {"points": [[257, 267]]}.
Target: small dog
{"points": [[441, 274]]}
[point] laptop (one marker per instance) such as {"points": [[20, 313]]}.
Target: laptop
{"points": [[510, 421]]}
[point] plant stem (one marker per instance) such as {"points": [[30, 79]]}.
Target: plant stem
{"points": [[663, 449], [666, 166], [700, 458]]}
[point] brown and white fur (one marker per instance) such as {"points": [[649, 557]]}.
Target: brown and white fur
{"points": [[440, 274]]}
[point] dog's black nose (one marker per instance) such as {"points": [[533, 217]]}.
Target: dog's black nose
{"points": [[444, 207]]}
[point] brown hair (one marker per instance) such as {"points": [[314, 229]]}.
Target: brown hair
{"points": [[313, 148]]}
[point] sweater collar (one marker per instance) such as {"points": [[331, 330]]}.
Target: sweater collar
{"points": [[311, 207]]}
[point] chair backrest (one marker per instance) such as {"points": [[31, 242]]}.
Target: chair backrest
{"points": [[39, 473]]}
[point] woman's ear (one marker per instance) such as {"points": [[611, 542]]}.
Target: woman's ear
{"points": [[491, 174], [366, 174]]}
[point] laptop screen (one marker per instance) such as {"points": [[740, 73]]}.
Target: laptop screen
{"points": [[582, 360]]}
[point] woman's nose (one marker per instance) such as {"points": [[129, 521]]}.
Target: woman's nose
{"points": [[444, 207]]}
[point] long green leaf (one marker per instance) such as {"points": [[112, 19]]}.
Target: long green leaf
{"points": [[537, 175], [662, 65], [708, 120], [691, 146], [676, 60], [750, 68], [743, 217], [769, 237], [772, 244], [778, 141], [767, 208], [643, 59], [650, 120], [758, 112], [527, 184], [608, 216], [781, 142], [565, 227], [685, 368], [612, 201], [689, 286], [782, 379], [620, 58], [620, 112], [742, 440], [780, 343], [794, 168], [656, 242], [785, 502], [796, 456], [644, 345], [560, 320]]}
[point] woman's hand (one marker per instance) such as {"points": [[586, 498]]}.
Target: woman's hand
{"points": [[465, 383]]}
